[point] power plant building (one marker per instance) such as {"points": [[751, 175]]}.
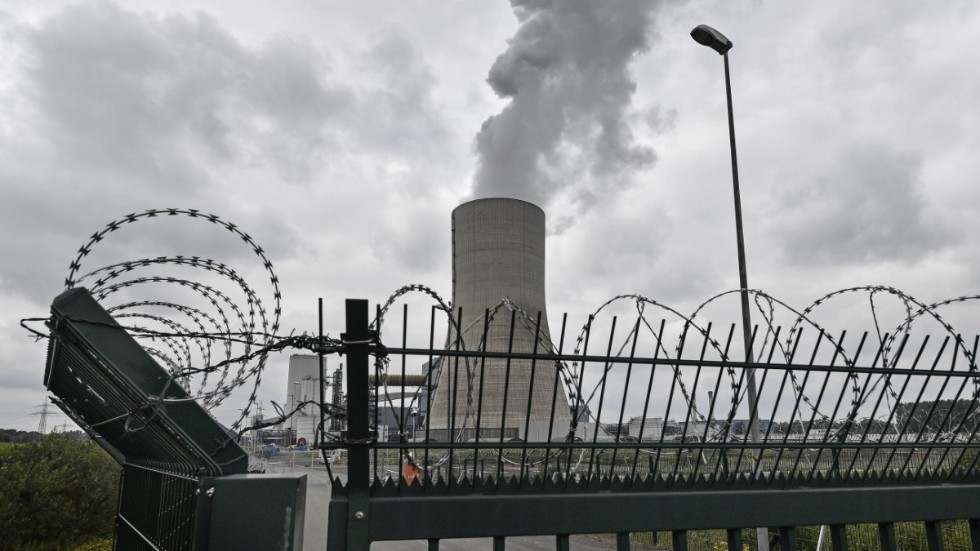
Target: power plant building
{"points": [[303, 379], [498, 259]]}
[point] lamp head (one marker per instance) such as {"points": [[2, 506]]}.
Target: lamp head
{"points": [[707, 36]]}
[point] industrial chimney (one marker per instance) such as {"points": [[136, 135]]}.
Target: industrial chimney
{"points": [[498, 263]]}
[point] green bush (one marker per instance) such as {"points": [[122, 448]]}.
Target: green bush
{"points": [[56, 494], [101, 544]]}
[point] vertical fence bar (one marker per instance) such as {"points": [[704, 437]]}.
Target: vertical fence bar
{"points": [[622, 408], [720, 457], [426, 474], [499, 543], [483, 372], [975, 534], [646, 407], [503, 407], [850, 421], [602, 396], [816, 408], [375, 406], [554, 400], [925, 426], [934, 535], [834, 454], [911, 416], [678, 539], [787, 538], [752, 432], [622, 541], [866, 466], [772, 417], [838, 537], [796, 408], [530, 399], [403, 431], [433, 545], [670, 400], [734, 538], [321, 363], [453, 407], [356, 341], [562, 543], [692, 406], [579, 403], [888, 422], [886, 535]]}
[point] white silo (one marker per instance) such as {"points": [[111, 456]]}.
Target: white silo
{"points": [[302, 388], [499, 258]]}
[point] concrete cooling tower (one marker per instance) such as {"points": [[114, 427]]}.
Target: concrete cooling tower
{"points": [[498, 255]]}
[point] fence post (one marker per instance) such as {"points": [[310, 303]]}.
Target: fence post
{"points": [[886, 536], [934, 535], [356, 343]]}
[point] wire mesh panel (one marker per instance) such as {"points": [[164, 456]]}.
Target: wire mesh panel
{"points": [[157, 510]]}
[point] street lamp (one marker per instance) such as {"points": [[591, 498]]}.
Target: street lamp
{"points": [[707, 36]]}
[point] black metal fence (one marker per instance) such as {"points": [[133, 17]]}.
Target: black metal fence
{"points": [[651, 429]]}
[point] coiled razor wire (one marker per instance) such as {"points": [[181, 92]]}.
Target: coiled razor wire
{"points": [[456, 337], [257, 328], [766, 306]]}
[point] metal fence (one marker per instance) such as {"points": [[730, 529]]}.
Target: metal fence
{"points": [[183, 473], [156, 510], [649, 429], [909, 536]]}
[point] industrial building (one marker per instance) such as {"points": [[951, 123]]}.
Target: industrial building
{"points": [[498, 262], [303, 388]]}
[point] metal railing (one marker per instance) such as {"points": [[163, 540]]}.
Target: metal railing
{"points": [[650, 434]]}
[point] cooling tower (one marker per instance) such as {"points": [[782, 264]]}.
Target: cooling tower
{"points": [[499, 263]]}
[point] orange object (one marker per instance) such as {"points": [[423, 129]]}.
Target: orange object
{"points": [[411, 473]]}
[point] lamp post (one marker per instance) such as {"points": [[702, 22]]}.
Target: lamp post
{"points": [[710, 37]]}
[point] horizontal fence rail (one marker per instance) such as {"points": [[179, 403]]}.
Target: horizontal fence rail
{"points": [[588, 434]]}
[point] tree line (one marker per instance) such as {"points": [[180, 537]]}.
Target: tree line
{"points": [[56, 493], [943, 416]]}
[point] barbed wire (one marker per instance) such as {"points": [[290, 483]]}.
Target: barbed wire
{"points": [[766, 306], [223, 344]]}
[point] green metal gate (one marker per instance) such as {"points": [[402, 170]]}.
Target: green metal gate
{"points": [[853, 431]]}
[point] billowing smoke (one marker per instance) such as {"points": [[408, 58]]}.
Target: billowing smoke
{"points": [[565, 136]]}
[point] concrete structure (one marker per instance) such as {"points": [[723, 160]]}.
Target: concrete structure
{"points": [[498, 254], [398, 414], [303, 378], [652, 428]]}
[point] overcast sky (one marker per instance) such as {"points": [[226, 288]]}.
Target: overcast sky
{"points": [[340, 136]]}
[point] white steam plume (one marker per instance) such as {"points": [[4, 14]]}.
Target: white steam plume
{"points": [[564, 135]]}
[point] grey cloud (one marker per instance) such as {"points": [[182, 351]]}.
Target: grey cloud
{"points": [[660, 120], [565, 131], [161, 95], [118, 111], [399, 114], [867, 208]]}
